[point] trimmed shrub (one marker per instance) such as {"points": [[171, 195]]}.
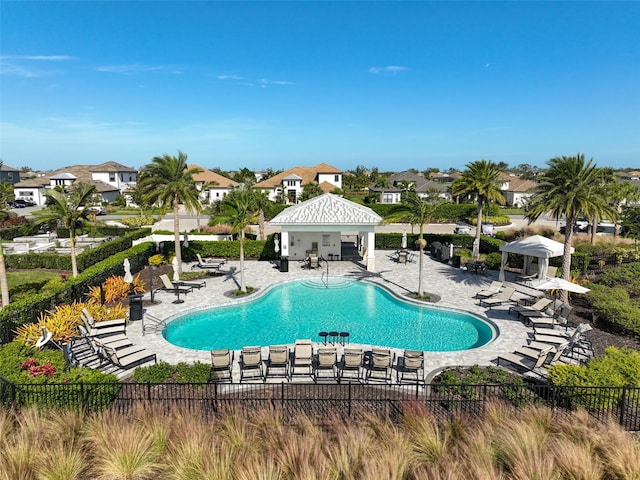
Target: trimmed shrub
{"points": [[614, 310], [618, 367], [21, 364]]}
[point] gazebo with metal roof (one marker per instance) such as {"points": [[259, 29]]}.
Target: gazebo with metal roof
{"points": [[317, 225]]}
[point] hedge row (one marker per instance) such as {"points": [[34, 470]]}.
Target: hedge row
{"points": [[613, 309], [55, 261], [28, 310], [446, 213], [100, 230], [253, 249]]}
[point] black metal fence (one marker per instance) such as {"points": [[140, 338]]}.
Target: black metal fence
{"points": [[346, 400]]}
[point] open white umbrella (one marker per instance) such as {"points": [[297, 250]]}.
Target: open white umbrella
{"points": [[176, 275], [557, 283], [403, 244], [127, 271], [185, 244]]}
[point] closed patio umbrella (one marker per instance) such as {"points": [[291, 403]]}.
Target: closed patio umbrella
{"points": [[403, 244], [127, 271], [176, 275], [185, 244], [476, 249]]}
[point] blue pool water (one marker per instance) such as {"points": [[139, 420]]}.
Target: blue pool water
{"points": [[303, 308]]}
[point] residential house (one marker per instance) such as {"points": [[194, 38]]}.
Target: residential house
{"points": [[517, 191], [110, 179], [9, 174], [218, 185], [290, 183], [402, 182]]}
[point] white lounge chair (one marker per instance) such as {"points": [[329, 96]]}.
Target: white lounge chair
{"points": [[491, 290], [302, 357], [505, 296]]}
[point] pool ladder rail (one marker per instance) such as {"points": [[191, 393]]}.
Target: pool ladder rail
{"points": [[324, 277]]}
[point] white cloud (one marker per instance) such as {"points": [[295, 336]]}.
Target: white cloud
{"points": [[229, 77], [388, 69], [136, 68], [22, 65]]}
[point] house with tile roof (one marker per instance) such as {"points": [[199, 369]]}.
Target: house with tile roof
{"points": [[289, 184], [110, 179], [410, 181], [517, 191], [213, 186]]}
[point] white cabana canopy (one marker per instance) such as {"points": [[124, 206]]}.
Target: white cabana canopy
{"points": [[535, 246]]}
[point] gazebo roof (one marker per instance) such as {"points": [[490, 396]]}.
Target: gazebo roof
{"points": [[327, 209], [535, 246]]}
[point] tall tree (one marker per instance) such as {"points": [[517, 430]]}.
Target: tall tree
{"points": [[481, 180], [566, 189], [238, 210], [417, 211], [310, 190], [167, 182], [262, 202], [70, 209]]}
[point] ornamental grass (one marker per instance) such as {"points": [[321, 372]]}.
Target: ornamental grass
{"points": [[242, 443]]}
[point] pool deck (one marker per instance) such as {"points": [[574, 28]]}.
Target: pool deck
{"points": [[455, 286]]}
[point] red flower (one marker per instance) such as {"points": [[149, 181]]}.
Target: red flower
{"points": [[27, 364]]}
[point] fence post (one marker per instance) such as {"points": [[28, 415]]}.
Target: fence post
{"points": [[282, 394], [82, 399], [417, 390], [149, 392], [349, 401], [623, 405]]}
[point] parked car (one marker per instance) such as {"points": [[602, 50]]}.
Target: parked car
{"points": [[96, 210], [20, 203], [462, 228]]}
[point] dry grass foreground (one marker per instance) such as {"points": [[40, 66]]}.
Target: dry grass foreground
{"points": [[248, 445]]}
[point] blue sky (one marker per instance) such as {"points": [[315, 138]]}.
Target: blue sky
{"points": [[268, 84]]}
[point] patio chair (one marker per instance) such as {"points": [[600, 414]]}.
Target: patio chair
{"points": [[505, 296], [122, 349], [118, 340], [251, 360], [327, 360], [529, 316], [352, 361], [559, 317], [170, 287], [278, 359], [380, 362], [491, 290], [120, 322], [126, 362], [209, 263], [221, 365], [302, 357], [101, 332], [193, 284], [313, 261], [411, 363], [537, 307], [526, 360], [583, 327]]}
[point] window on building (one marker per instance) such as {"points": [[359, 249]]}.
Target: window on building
{"points": [[387, 198], [336, 178], [326, 240], [112, 177], [10, 175]]}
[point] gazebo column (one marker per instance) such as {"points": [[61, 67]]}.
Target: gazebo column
{"points": [[371, 248], [284, 244]]}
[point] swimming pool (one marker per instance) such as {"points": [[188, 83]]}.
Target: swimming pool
{"points": [[302, 308]]}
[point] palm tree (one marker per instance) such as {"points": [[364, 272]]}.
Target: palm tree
{"points": [[262, 201], [310, 190], [416, 211], [70, 210], [482, 180], [238, 210], [566, 189], [167, 182]]}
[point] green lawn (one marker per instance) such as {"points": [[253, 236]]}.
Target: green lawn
{"points": [[15, 279]]}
